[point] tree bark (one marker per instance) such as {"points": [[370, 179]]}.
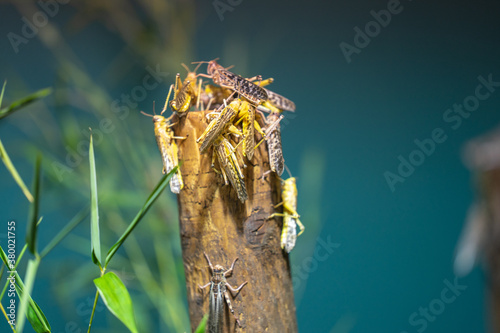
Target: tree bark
{"points": [[213, 220]]}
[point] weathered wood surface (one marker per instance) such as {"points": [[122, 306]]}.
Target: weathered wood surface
{"points": [[213, 220]]}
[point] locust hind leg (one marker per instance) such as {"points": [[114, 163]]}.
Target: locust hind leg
{"points": [[226, 296]]}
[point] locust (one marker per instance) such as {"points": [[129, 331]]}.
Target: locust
{"points": [[226, 114], [275, 101], [280, 102], [290, 215], [244, 87], [183, 96], [224, 151], [246, 115], [195, 89], [273, 138], [218, 285], [215, 95], [165, 139]]}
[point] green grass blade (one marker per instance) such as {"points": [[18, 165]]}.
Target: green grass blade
{"points": [[151, 199], [117, 299], [3, 90], [20, 103], [31, 230], [8, 164], [25, 297], [34, 314], [201, 326], [65, 231], [94, 209]]}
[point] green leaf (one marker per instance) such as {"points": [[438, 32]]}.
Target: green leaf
{"points": [[35, 315], [31, 230], [65, 231], [116, 297], [28, 307], [94, 209], [8, 164], [20, 103], [151, 199], [201, 326]]}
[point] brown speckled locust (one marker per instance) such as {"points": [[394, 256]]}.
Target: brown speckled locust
{"points": [[218, 290]]}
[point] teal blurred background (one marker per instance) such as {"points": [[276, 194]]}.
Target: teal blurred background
{"points": [[373, 256]]}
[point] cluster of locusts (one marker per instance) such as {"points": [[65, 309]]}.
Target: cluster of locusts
{"points": [[237, 108]]}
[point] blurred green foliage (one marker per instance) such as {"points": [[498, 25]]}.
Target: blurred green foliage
{"points": [[152, 35]]}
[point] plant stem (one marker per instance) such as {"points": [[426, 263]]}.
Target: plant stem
{"points": [[93, 310]]}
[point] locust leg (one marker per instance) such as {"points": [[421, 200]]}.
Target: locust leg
{"points": [[203, 287], [273, 126], [213, 163], [236, 290], [301, 226], [226, 296], [276, 214], [198, 95], [166, 101], [255, 78], [264, 174], [293, 212], [266, 82]]}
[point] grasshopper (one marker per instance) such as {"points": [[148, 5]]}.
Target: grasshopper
{"points": [[246, 115], [275, 101], [218, 290], [273, 138], [228, 162], [280, 102], [183, 96], [215, 95], [191, 80], [165, 139], [244, 87], [290, 215], [226, 115]]}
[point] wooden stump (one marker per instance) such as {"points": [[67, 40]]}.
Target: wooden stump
{"points": [[213, 220]]}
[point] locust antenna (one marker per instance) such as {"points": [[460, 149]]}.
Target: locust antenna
{"points": [[288, 171], [149, 115]]}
